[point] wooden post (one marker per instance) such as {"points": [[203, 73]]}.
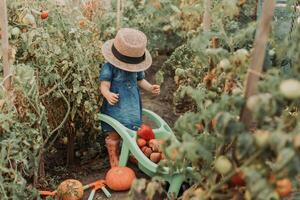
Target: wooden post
{"points": [[5, 44], [207, 17], [258, 55], [106, 4], [118, 14]]}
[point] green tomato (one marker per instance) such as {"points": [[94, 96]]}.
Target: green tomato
{"points": [[272, 52], [252, 102], [242, 55], [237, 91], [28, 19], [225, 64], [15, 32], [262, 138], [223, 165], [179, 72], [290, 88]]}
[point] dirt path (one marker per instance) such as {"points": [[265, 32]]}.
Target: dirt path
{"points": [[97, 168]]}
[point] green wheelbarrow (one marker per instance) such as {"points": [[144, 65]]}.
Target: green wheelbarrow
{"points": [[129, 146]]}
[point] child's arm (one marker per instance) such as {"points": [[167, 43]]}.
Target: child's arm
{"points": [[111, 97], [144, 84]]}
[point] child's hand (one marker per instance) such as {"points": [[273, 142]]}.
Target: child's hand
{"points": [[155, 89], [112, 98]]}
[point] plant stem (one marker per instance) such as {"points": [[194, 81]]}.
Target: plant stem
{"points": [[55, 86], [207, 17], [61, 124], [119, 13], [43, 149]]}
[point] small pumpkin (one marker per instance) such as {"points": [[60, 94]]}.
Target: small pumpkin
{"points": [[70, 189], [120, 178]]}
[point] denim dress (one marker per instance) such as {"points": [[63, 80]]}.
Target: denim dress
{"points": [[128, 110]]}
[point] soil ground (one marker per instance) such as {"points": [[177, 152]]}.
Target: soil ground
{"points": [[96, 168]]}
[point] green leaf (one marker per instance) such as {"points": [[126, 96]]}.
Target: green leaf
{"points": [[175, 9]]}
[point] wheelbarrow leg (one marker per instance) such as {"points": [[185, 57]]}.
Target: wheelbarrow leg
{"points": [[175, 185], [124, 155]]}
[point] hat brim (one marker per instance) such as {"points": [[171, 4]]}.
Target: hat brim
{"points": [[109, 56]]}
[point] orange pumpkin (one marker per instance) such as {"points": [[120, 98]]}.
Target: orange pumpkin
{"points": [[70, 189], [120, 178]]}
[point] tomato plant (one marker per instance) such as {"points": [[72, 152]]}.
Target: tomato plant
{"points": [[209, 83]]}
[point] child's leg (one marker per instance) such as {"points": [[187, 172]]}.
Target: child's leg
{"points": [[112, 144]]}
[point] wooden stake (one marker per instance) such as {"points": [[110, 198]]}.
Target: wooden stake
{"points": [[106, 5], [207, 17], [5, 44], [258, 55], [118, 14]]}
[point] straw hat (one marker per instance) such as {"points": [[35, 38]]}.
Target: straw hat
{"points": [[128, 50]]}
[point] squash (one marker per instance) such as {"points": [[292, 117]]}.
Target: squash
{"points": [[120, 178], [70, 189]]}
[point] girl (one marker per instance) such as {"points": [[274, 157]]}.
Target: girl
{"points": [[120, 79]]}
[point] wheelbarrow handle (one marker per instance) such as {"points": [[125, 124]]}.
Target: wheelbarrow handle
{"points": [[93, 192], [106, 192]]}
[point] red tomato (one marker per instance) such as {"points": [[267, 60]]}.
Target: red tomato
{"points": [[44, 14], [284, 187], [238, 179], [146, 132]]}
